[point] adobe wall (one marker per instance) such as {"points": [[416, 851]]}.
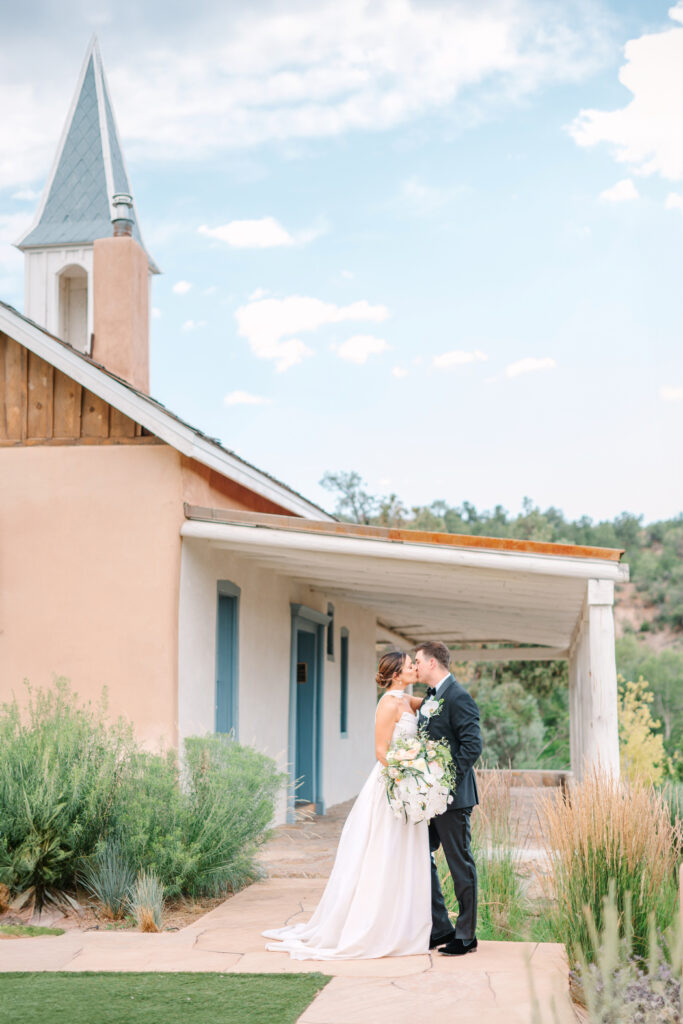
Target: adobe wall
{"points": [[89, 570], [206, 487]]}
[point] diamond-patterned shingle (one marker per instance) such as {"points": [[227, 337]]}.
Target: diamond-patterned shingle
{"points": [[77, 208]]}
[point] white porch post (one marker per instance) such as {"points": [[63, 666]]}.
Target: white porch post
{"points": [[593, 720]]}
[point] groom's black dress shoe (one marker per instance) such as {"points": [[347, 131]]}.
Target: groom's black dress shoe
{"points": [[456, 947], [447, 937]]}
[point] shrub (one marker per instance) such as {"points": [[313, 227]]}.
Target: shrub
{"points": [[607, 830], [511, 724], [61, 771], [78, 798], [146, 901], [108, 877], [617, 985], [641, 750], [201, 837]]}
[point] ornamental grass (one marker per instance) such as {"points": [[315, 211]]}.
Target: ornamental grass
{"points": [[605, 830]]}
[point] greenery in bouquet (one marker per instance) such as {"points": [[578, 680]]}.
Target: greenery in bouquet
{"points": [[419, 776]]}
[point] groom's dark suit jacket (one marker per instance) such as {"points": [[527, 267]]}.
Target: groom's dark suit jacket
{"points": [[458, 724]]}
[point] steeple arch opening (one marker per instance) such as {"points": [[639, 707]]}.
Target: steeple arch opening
{"points": [[73, 306]]}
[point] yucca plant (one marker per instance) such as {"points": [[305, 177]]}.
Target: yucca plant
{"points": [[607, 830], [108, 877], [146, 901]]}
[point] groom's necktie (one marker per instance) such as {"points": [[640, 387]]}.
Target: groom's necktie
{"points": [[431, 691]]}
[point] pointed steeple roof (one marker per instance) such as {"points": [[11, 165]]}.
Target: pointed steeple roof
{"points": [[76, 207]]}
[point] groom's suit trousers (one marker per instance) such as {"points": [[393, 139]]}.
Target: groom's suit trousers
{"points": [[451, 830]]}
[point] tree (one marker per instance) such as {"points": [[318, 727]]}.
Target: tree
{"points": [[354, 504], [641, 749]]}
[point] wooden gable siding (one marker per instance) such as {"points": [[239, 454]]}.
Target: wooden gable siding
{"points": [[41, 405]]}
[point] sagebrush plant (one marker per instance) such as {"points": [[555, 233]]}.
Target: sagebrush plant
{"points": [[74, 784], [146, 901], [619, 986], [108, 877], [61, 772], [607, 829], [199, 837], [615, 985]]}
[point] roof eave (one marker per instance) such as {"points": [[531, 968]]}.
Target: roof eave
{"points": [[151, 414]]}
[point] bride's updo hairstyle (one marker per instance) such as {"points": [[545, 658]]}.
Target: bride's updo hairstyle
{"points": [[389, 664]]}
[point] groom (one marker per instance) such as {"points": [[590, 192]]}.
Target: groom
{"points": [[455, 718]]}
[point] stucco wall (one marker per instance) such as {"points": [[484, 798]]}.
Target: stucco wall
{"points": [[264, 665], [89, 568]]}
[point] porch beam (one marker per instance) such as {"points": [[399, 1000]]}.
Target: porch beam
{"points": [[509, 654]]}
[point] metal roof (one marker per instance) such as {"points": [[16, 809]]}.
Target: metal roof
{"points": [[89, 169], [462, 589], [404, 536]]}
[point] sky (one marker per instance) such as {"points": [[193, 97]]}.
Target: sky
{"points": [[438, 243]]}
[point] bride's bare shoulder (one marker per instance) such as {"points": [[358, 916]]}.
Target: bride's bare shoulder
{"points": [[387, 706]]}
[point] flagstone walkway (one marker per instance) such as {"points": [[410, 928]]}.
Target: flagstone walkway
{"points": [[490, 987]]}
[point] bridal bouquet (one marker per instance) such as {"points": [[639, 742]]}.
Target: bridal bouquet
{"points": [[418, 777]]}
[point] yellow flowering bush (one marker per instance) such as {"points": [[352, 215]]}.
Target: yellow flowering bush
{"points": [[641, 749]]}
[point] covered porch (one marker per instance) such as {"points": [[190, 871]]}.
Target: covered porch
{"points": [[488, 598]]}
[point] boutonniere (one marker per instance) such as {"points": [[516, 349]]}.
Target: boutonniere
{"points": [[431, 707]]}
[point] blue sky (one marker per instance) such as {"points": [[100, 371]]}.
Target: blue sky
{"points": [[440, 244]]}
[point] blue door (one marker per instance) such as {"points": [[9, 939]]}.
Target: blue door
{"points": [[306, 713], [226, 663]]}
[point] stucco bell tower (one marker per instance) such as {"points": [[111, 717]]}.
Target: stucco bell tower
{"points": [[82, 203]]}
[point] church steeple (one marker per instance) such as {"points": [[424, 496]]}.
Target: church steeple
{"points": [[77, 204], [76, 209]]}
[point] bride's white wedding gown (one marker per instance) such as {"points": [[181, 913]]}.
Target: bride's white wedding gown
{"points": [[377, 901]]}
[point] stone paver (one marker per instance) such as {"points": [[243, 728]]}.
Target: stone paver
{"points": [[490, 987]]}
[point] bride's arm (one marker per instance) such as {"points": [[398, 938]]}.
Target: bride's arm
{"points": [[415, 702], [385, 721]]}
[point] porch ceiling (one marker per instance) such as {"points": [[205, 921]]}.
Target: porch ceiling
{"points": [[456, 592]]}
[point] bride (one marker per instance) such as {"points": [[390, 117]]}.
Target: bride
{"points": [[377, 900]]}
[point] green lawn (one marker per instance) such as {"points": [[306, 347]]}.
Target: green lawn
{"points": [[93, 998]]}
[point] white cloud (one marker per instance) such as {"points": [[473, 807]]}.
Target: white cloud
{"points": [[27, 195], [265, 233], [674, 201], [211, 290], [245, 398], [529, 365], [258, 293], [269, 324], [193, 325], [348, 275], [447, 360], [156, 313], [243, 74], [399, 371], [181, 287], [669, 394], [646, 133], [360, 347], [623, 191]]}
